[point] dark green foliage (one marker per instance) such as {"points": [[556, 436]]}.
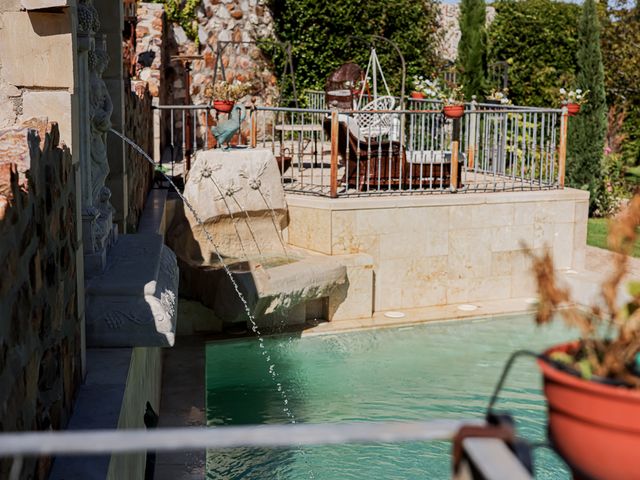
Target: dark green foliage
{"points": [[587, 130], [320, 31], [472, 49], [184, 13], [621, 57], [538, 38]]}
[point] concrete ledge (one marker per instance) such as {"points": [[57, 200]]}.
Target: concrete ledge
{"points": [[153, 218], [43, 4], [375, 201], [119, 382]]}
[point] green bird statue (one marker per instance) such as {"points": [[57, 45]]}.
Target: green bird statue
{"points": [[225, 130]]}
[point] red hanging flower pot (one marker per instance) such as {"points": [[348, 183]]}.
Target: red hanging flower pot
{"points": [[223, 106], [594, 426], [453, 111], [418, 95], [573, 109]]}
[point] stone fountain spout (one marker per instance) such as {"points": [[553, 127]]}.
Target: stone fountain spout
{"points": [[238, 199]]}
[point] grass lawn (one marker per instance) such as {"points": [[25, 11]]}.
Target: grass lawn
{"points": [[597, 230]]}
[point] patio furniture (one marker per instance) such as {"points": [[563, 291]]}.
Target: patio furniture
{"points": [[431, 169], [337, 93], [370, 164], [376, 124]]}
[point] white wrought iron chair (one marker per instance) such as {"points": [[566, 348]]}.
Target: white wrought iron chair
{"points": [[376, 124]]}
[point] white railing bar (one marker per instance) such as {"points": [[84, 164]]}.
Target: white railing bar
{"points": [[89, 442]]}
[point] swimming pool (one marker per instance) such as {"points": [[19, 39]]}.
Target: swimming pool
{"points": [[436, 370]]}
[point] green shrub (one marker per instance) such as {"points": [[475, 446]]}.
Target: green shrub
{"points": [[587, 130], [183, 12], [321, 35], [538, 38], [472, 49]]}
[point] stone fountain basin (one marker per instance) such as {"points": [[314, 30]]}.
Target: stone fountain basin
{"points": [[278, 292]]}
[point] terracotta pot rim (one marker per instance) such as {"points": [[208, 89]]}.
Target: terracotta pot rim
{"points": [[597, 388]]}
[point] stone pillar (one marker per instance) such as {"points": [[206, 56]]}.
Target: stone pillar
{"points": [[111, 16]]}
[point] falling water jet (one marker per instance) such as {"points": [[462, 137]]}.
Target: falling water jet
{"points": [[254, 325]]}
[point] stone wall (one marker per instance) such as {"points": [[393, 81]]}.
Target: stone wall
{"points": [[40, 337], [139, 128], [230, 20], [446, 249]]}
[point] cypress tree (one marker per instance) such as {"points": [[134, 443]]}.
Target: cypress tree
{"points": [[472, 49], [587, 130]]}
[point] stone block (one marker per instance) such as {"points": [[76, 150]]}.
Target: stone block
{"points": [[478, 289], [40, 4], [37, 49], [470, 253], [55, 105], [563, 245], [512, 237], [354, 298], [310, 229]]}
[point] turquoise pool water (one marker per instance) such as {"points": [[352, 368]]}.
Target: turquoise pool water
{"points": [[442, 370]]}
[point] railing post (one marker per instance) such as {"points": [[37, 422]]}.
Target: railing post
{"points": [[564, 123], [334, 153], [254, 128], [455, 147], [471, 136]]}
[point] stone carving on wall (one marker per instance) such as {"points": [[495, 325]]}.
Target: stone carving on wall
{"points": [[134, 301], [101, 109]]}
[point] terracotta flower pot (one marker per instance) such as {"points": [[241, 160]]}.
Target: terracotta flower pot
{"points": [[573, 109], [595, 427], [418, 95], [453, 111], [223, 106]]}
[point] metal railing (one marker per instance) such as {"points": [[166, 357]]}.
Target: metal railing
{"points": [[417, 150]]}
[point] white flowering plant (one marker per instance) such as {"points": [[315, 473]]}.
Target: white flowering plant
{"points": [[430, 88], [448, 93], [577, 96], [451, 94]]}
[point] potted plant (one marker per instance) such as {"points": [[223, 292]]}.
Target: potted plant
{"points": [[224, 94], [453, 100], [573, 99], [423, 88], [499, 97], [592, 385]]}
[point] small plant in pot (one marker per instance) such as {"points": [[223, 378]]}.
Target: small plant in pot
{"points": [[453, 100], [592, 385], [224, 95], [499, 97], [423, 88], [573, 99]]}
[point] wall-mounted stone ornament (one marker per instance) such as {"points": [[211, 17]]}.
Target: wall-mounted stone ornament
{"points": [[134, 301]]}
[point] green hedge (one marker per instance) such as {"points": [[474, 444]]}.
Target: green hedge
{"points": [[319, 33], [538, 38]]}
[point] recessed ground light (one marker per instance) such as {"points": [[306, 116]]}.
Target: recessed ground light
{"points": [[531, 301], [467, 307], [393, 314], [571, 271]]}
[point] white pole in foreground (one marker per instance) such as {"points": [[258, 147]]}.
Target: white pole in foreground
{"points": [[86, 442]]}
